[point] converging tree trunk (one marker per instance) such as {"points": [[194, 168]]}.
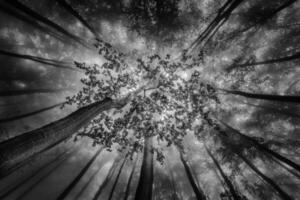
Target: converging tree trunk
{"points": [[14, 152], [116, 180], [7, 93], [10, 119], [35, 173], [145, 184], [28, 11], [37, 182], [269, 97], [50, 62], [106, 180], [278, 189], [74, 13], [271, 61], [128, 186], [68, 189], [198, 191], [264, 149], [225, 178]]}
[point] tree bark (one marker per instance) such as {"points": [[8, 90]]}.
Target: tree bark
{"points": [[145, 185], [68, 189], [198, 191], [14, 152]]}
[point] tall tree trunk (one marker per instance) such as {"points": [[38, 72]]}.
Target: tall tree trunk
{"points": [[198, 191], [116, 180], [222, 16], [271, 61], [37, 182], [10, 119], [68, 189], [226, 179], [273, 109], [14, 152], [74, 13], [145, 184], [87, 183], [28, 11], [30, 21], [269, 97], [53, 63], [106, 180], [127, 190], [172, 180], [265, 149], [281, 193], [32, 175], [7, 93]]}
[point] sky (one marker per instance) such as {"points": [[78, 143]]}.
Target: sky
{"points": [[276, 38]]}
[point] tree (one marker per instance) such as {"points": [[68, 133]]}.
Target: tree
{"points": [[197, 190], [226, 179], [68, 189], [13, 155], [127, 190], [10, 119], [145, 184], [117, 179]]}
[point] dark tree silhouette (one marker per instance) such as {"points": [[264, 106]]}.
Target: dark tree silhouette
{"points": [[18, 117], [145, 184], [198, 191], [116, 180], [129, 182], [50, 62], [68, 189], [13, 154]]}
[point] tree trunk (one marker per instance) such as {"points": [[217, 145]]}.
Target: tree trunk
{"points": [[87, 184], [145, 185], [14, 152], [281, 193], [79, 176], [106, 180], [74, 13], [32, 175], [269, 97], [273, 109], [278, 60], [222, 16], [10, 119], [30, 21], [198, 191], [60, 163], [28, 11], [116, 180], [127, 191], [226, 179], [265, 149], [7, 93], [53, 63]]}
